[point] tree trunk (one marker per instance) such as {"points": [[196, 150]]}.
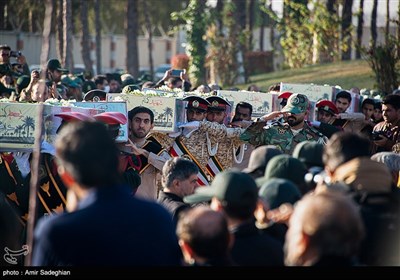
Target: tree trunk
{"points": [[59, 31], [3, 21], [98, 36], [85, 42], [240, 15], [68, 36], [374, 34], [387, 30], [262, 27], [34, 181], [331, 6], [360, 27], [398, 28], [346, 28], [250, 23], [219, 8], [132, 59], [149, 28]]}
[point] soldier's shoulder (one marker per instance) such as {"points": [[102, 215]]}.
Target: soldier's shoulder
{"points": [[314, 131]]}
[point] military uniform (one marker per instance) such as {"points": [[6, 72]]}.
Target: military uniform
{"points": [[223, 142], [51, 191], [328, 129], [282, 135], [191, 143]]}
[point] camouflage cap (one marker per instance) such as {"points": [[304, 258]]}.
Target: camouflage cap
{"points": [[296, 104]]}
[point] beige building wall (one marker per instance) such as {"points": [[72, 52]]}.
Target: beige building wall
{"points": [[163, 49]]}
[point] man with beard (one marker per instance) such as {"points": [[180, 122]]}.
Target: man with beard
{"points": [[284, 136], [148, 152], [243, 112], [352, 122]]}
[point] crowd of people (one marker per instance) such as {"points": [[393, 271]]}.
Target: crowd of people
{"points": [[278, 190]]}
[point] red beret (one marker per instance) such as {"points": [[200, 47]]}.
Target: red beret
{"points": [[111, 118], [74, 116], [328, 106], [285, 94]]}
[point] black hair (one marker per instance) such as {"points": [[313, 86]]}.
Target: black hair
{"points": [[245, 105], [89, 154], [343, 94], [141, 109], [393, 100]]}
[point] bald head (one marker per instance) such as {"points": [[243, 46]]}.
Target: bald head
{"points": [[205, 231], [326, 224]]}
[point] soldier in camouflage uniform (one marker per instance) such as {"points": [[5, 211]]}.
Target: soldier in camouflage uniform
{"points": [[285, 136]]}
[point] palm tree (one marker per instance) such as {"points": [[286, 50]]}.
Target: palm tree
{"points": [[168, 113], [29, 122], [266, 105], [18, 130], [160, 117]]}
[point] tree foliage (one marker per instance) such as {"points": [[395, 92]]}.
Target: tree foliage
{"points": [[195, 18], [308, 35], [385, 62], [223, 48]]}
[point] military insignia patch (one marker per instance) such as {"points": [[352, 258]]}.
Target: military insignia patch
{"points": [[281, 131], [295, 101], [195, 103], [215, 103]]}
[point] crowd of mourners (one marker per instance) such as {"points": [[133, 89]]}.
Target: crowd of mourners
{"points": [[283, 189]]}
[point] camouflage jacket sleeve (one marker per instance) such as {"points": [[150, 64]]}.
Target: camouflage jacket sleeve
{"points": [[254, 134], [220, 131], [163, 139]]}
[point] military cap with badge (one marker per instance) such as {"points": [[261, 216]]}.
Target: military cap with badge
{"points": [[95, 95], [327, 106], [217, 103], [196, 103]]}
